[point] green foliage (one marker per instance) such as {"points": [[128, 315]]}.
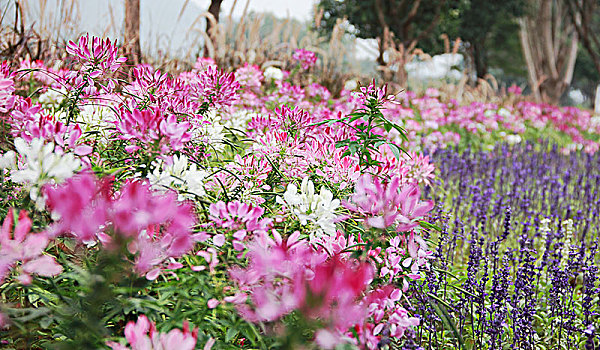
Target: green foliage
{"points": [[365, 121], [405, 23]]}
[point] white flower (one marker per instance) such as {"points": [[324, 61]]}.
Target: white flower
{"points": [[8, 160], [309, 206], [187, 181], [350, 85], [239, 119], [273, 73], [96, 116], [41, 166], [513, 139], [211, 131], [52, 96], [505, 113]]}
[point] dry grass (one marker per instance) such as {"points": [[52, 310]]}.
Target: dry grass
{"points": [[231, 44]]}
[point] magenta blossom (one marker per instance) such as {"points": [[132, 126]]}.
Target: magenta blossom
{"points": [[158, 226], [288, 275], [515, 90], [99, 57], [386, 316], [216, 87], [7, 99], [411, 207], [306, 58], [242, 219], [151, 128], [384, 204], [142, 335], [22, 246]]}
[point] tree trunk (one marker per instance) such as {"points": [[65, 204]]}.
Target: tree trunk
{"points": [[480, 59], [214, 9], [549, 42], [582, 14], [131, 46]]}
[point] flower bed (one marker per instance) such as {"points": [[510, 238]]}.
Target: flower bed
{"points": [[244, 209]]}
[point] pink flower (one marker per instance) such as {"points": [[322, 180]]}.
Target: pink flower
{"points": [[249, 76], [7, 99], [21, 246], [158, 226], [385, 313], [376, 200], [102, 54], [515, 90], [242, 219], [142, 335], [149, 127], [288, 275], [306, 58], [216, 87], [82, 204], [383, 204], [212, 303], [411, 207]]}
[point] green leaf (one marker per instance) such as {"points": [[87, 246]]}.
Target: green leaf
{"points": [[446, 318], [429, 225], [231, 333], [395, 150]]}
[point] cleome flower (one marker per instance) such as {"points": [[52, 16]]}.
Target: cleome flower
{"points": [[287, 275], [142, 335], [311, 207], [19, 245], [306, 58], [175, 174], [157, 225], [386, 204], [273, 73], [42, 165]]}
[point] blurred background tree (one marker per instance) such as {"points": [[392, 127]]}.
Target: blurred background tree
{"points": [[550, 44], [408, 21], [416, 22], [479, 22], [132, 47]]}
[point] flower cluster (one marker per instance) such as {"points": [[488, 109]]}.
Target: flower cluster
{"points": [[309, 206], [19, 245], [206, 174], [386, 204], [157, 224], [288, 275], [306, 58], [142, 335]]}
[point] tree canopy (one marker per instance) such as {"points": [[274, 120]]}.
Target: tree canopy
{"points": [[423, 21]]}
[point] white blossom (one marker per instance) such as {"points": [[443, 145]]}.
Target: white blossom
{"points": [[52, 96], [8, 160], [211, 131], [513, 139], [239, 119], [42, 165], [350, 85], [187, 181], [273, 73], [311, 207], [504, 113]]}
